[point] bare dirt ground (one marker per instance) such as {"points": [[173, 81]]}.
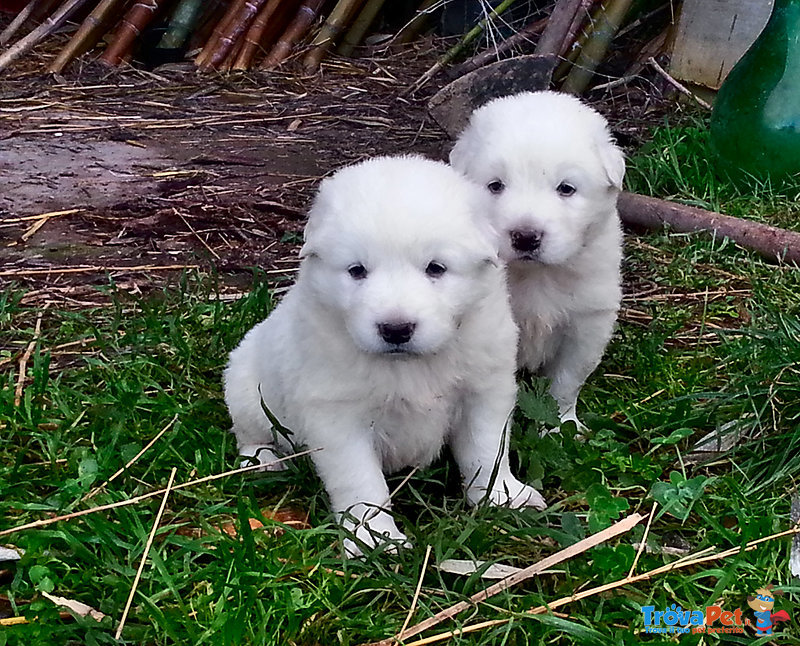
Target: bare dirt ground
{"points": [[168, 169]]}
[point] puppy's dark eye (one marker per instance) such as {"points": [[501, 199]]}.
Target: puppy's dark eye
{"points": [[357, 271], [435, 269], [565, 189], [496, 186]]}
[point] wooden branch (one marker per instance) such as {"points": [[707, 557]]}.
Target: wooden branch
{"points": [[213, 11], [339, 18], [651, 213], [133, 23], [253, 40], [360, 26], [240, 23], [24, 45], [305, 17], [88, 34], [587, 543]]}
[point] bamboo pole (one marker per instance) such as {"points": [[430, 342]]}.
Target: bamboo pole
{"points": [[605, 26], [255, 34], [20, 19], [181, 23], [220, 28], [454, 51], [360, 26], [230, 37], [339, 18], [492, 54], [88, 34], [305, 17], [414, 27], [213, 11], [135, 20], [41, 32]]}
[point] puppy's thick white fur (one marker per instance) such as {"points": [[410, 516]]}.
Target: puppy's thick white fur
{"points": [[378, 236], [550, 175]]}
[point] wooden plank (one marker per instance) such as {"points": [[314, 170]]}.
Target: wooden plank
{"points": [[712, 35]]}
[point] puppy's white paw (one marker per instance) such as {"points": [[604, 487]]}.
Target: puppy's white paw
{"points": [[508, 492], [375, 531], [261, 454]]}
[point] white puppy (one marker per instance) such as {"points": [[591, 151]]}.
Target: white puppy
{"points": [[551, 175], [396, 338]]}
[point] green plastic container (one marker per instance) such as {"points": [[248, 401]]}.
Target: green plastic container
{"points": [[755, 125]]}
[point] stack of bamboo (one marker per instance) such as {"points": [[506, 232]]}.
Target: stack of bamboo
{"points": [[229, 34], [262, 34]]}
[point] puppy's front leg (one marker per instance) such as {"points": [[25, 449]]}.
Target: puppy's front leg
{"points": [[480, 447], [351, 470], [580, 352]]}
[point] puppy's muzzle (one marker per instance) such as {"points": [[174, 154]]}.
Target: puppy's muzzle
{"points": [[526, 243], [396, 333]]}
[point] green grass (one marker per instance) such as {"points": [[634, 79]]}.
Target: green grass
{"points": [[709, 335]]}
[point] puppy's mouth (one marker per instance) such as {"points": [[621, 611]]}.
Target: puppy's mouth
{"points": [[527, 256], [399, 352]]}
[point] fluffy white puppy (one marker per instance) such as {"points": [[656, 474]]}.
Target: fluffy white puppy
{"points": [[551, 175], [396, 338]]}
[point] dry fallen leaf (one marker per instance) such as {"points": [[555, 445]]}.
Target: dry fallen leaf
{"points": [[465, 568], [80, 609]]}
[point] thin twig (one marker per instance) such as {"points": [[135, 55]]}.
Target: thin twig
{"points": [[415, 598], [677, 84], [136, 499], [23, 362], [99, 488], [540, 610], [86, 270], [147, 547], [621, 527], [644, 540]]}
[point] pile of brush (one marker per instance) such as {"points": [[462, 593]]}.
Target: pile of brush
{"points": [[229, 34], [262, 34]]}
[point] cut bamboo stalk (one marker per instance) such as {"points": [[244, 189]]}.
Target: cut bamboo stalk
{"points": [[558, 25], [605, 26], [135, 20], [230, 37], [212, 12], [181, 23], [454, 51], [417, 24], [220, 28], [24, 45], [20, 19], [88, 34], [339, 18], [305, 17], [360, 26], [493, 54], [254, 36]]}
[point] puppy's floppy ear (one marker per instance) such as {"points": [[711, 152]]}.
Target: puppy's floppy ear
{"points": [[613, 161], [463, 150]]}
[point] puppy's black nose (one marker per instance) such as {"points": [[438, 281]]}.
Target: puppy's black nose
{"points": [[396, 333], [525, 241]]}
